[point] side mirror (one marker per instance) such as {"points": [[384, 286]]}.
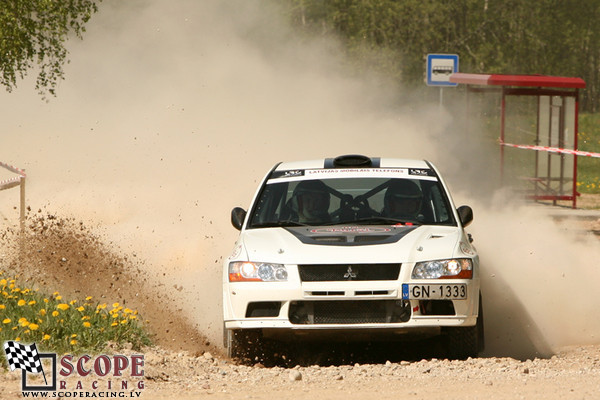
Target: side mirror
{"points": [[466, 215], [238, 215]]}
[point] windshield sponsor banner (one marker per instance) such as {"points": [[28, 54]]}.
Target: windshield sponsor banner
{"points": [[307, 174]]}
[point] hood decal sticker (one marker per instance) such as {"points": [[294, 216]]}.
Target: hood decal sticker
{"points": [[350, 235]]}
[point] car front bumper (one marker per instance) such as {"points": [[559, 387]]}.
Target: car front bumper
{"points": [[350, 305]]}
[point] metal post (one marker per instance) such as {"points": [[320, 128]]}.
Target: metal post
{"points": [[22, 211], [502, 115], [576, 144]]}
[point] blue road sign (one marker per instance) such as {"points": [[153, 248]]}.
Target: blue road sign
{"points": [[439, 69]]}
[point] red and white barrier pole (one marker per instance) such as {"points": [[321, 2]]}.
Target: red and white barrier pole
{"points": [[17, 181]]}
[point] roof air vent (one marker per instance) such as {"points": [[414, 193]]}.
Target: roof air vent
{"points": [[350, 161]]}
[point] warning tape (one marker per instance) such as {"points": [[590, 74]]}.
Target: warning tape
{"points": [[8, 183], [557, 150], [13, 169]]}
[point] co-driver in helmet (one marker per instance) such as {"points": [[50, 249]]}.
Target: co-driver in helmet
{"points": [[311, 201], [403, 200]]}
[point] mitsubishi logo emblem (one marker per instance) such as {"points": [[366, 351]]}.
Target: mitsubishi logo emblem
{"points": [[349, 274]]}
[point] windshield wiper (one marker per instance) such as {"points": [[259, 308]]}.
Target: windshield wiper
{"points": [[385, 220]]}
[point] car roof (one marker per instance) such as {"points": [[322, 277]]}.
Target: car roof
{"points": [[377, 163]]}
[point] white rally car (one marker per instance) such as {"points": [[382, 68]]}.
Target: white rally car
{"points": [[354, 247]]}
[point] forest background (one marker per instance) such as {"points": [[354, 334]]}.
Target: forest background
{"points": [[390, 38]]}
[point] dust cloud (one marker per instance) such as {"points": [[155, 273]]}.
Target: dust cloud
{"points": [[172, 112]]}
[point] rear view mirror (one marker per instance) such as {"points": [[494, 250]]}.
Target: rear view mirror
{"points": [[466, 215], [238, 215]]}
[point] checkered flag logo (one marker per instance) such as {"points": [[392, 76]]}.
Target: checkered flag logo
{"points": [[20, 356]]}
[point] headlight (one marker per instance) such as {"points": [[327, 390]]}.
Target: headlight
{"points": [[460, 268], [258, 272]]}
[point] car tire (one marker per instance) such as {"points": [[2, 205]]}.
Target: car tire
{"points": [[244, 344], [465, 342]]}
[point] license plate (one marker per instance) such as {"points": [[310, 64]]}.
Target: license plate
{"points": [[434, 292]]}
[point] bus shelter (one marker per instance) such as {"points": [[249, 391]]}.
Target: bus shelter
{"points": [[538, 129]]}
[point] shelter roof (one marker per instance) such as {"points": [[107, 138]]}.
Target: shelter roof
{"points": [[518, 80]]}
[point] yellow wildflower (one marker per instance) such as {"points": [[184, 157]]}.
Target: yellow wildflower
{"points": [[114, 324], [80, 308], [72, 302], [21, 303], [58, 297], [63, 306], [55, 313], [34, 327], [46, 337], [73, 342], [6, 321], [88, 298], [3, 282], [87, 324], [43, 312], [115, 305], [31, 303], [2, 306]]}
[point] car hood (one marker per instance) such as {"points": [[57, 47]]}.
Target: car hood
{"points": [[352, 244]]}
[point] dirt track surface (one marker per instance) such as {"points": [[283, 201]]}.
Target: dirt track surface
{"points": [[571, 374], [574, 374], [184, 365]]}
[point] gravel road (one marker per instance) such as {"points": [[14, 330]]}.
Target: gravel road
{"points": [[190, 367], [572, 373]]}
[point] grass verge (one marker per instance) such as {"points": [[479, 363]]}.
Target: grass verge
{"points": [[65, 326]]}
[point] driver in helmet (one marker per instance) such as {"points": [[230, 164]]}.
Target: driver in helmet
{"points": [[311, 201], [403, 200]]}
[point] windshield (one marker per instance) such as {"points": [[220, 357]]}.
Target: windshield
{"points": [[356, 200]]}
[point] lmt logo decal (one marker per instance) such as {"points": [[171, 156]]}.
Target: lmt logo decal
{"points": [[29, 360]]}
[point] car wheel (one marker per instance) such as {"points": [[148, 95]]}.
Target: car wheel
{"points": [[244, 344], [461, 342], [465, 342]]}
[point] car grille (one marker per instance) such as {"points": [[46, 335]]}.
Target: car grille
{"points": [[349, 312], [349, 272]]}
